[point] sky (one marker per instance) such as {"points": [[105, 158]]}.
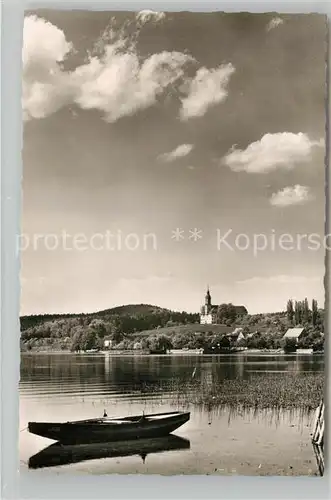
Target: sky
{"points": [[164, 152]]}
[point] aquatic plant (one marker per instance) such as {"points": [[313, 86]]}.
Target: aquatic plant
{"points": [[260, 391]]}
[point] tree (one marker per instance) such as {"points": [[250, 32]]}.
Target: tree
{"points": [[77, 339], [262, 343], [117, 336], [226, 313], [318, 345], [305, 312], [290, 345], [298, 313], [232, 313], [99, 343], [242, 342], [290, 311], [160, 343], [224, 343], [98, 326], [314, 312], [277, 343], [181, 340], [144, 344], [304, 342], [124, 345], [199, 341], [88, 340]]}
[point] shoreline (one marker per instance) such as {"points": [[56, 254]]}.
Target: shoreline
{"points": [[177, 353]]}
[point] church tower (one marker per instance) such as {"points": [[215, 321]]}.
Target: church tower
{"points": [[208, 300], [206, 315]]}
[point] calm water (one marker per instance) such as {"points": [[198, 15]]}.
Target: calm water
{"points": [[61, 387]]}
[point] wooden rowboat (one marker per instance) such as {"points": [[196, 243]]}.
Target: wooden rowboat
{"points": [[101, 430], [59, 454]]}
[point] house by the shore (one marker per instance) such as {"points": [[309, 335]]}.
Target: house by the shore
{"points": [[236, 335], [294, 333], [107, 342]]}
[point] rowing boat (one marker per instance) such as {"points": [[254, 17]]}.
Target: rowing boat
{"points": [[101, 430]]}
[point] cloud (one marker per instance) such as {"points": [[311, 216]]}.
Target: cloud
{"points": [[280, 150], [119, 83], [274, 23], [144, 16], [115, 79], [179, 152], [207, 88], [45, 85], [54, 48], [291, 195]]}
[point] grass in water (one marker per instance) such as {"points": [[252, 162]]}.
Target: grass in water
{"points": [[275, 391]]}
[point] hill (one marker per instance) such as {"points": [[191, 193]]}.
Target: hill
{"points": [[171, 331], [130, 310], [67, 331], [125, 310]]}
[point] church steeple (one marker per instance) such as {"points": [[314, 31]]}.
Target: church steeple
{"points": [[208, 298], [207, 314]]}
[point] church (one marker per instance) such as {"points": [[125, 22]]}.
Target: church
{"points": [[209, 312]]}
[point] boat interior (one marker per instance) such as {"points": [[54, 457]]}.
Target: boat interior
{"points": [[126, 420]]}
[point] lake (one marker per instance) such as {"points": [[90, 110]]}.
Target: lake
{"points": [[64, 386]]}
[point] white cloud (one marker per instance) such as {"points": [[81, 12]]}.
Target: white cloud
{"points": [[179, 152], [207, 88], [291, 195], [274, 23], [54, 48], [144, 16], [115, 79], [280, 150], [119, 84], [45, 86]]}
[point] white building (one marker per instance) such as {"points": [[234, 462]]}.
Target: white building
{"points": [[294, 333], [107, 342], [208, 312], [236, 335]]}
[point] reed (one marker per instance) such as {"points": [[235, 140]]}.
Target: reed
{"points": [[274, 391]]}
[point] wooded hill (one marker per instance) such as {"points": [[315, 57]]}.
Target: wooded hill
{"points": [[129, 324]]}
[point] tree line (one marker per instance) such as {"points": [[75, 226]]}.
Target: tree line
{"points": [[299, 313], [130, 325]]}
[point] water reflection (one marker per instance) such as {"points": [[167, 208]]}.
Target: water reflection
{"points": [[92, 375], [57, 387], [57, 454], [299, 418]]}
